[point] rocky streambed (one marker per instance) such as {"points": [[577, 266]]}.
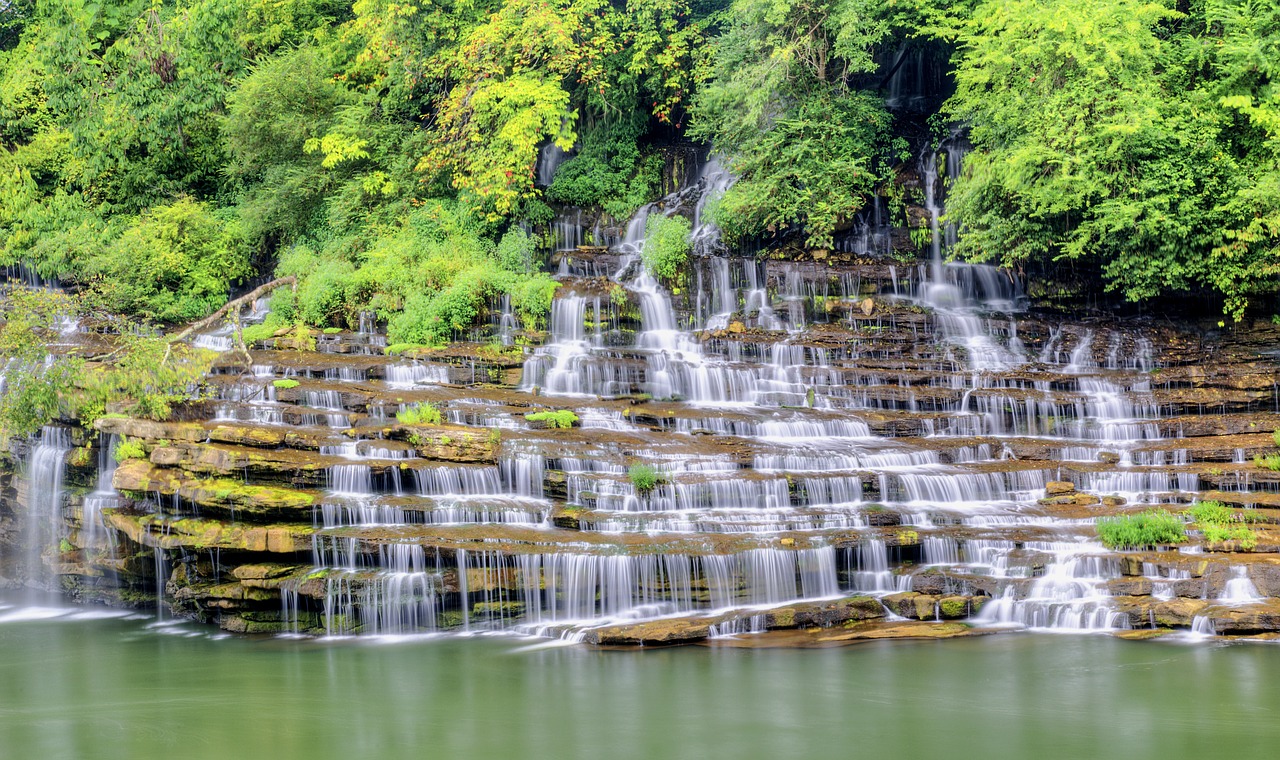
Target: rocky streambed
{"points": [[795, 453]]}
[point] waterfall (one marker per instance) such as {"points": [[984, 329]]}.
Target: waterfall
{"points": [[46, 526], [550, 157], [1240, 589], [104, 496], [1071, 595]]}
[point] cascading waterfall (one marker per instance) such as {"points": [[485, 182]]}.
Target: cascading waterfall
{"points": [[754, 436]]}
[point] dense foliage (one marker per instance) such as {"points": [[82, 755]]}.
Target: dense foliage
{"points": [[157, 153], [143, 374]]}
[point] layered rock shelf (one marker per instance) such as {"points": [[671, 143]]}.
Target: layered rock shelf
{"points": [[780, 453]]}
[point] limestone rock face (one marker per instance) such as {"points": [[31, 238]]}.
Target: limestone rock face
{"points": [[1246, 619]]}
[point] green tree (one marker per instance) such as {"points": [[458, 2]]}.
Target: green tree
{"points": [[781, 106]]}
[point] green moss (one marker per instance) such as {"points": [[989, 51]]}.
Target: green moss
{"points": [[286, 383], [558, 418], [396, 349], [953, 607], [256, 333], [80, 457]]}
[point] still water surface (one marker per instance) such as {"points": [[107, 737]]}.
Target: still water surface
{"points": [[84, 686]]}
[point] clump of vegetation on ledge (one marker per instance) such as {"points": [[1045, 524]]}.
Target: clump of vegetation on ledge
{"points": [[1155, 527], [1219, 524], [554, 418], [421, 413], [645, 477]]}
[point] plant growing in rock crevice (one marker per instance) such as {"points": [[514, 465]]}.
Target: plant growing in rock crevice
{"points": [[645, 477], [128, 449]]}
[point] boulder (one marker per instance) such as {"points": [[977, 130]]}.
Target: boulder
{"points": [[1059, 487]]}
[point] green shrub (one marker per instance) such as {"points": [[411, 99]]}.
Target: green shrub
{"points": [[645, 477], [174, 263], [557, 418], [285, 383], [609, 170], [517, 251], [1155, 527], [128, 449], [531, 299], [422, 413], [666, 247]]}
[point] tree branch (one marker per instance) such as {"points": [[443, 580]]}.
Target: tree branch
{"points": [[236, 304]]}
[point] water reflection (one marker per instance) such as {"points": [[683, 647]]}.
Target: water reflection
{"points": [[108, 688]]}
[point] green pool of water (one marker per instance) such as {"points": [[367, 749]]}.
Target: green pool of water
{"points": [[121, 688]]}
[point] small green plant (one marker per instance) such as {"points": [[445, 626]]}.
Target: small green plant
{"points": [[254, 333], [1155, 527], [1210, 512], [302, 338], [1216, 534], [557, 418], [395, 349], [65, 546], [618, 296], [1275, 436], [129, 449], [1218, 523], [422, 413], [285, 384], [1268, 462], [645, 477]]}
